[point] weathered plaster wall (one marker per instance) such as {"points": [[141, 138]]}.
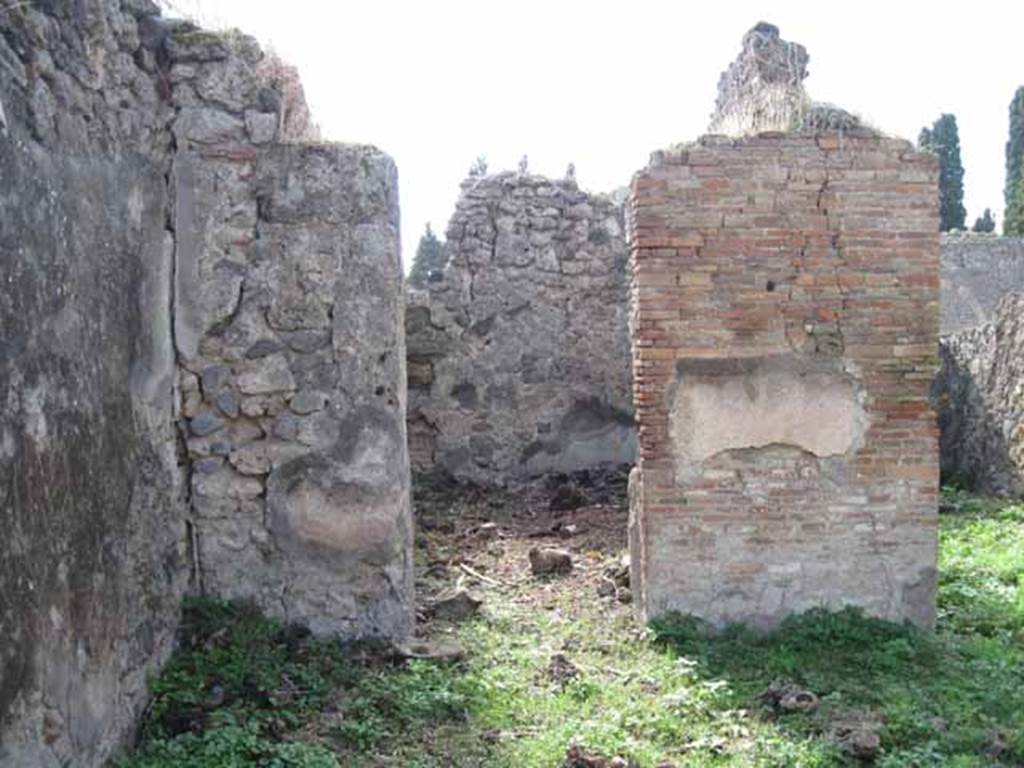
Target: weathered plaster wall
{"points": [[92, 554], [979, 394], [977, 271], [202, 365], [785, 319], [518, 355]]}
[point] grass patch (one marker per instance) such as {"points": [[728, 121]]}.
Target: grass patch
{"points": [[245, 691]]}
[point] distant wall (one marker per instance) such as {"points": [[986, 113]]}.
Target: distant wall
{"points": [[977, 271], [979, 394], [518, 353]]}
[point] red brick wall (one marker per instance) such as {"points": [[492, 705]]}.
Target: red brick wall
{"points": [[785, 293]]}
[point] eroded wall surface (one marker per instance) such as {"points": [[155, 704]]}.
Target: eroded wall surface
{"points": [[202, 364], [977, 271], [93, 558], [293, 389], [784, 323], [289, 331], [518, 352], [979, 394]]}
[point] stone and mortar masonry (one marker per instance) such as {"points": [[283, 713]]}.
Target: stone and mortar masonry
{"points": [[977, 271], [289, 333], [518, 351], [979, 394], [202, 366], [784, 324]]}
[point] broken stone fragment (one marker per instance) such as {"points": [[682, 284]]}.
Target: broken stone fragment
{"points": [[788, 697], [545, 561], [456, 606], [858, 733], [565, 498], [431, 650], [561, 670], [798, 701]]}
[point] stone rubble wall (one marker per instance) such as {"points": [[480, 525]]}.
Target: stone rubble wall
{"points": [[202, 366], [762, 90], [979, 395], [289, 311], [785, 320], [289, 332], [977, 271], [518, 352]]}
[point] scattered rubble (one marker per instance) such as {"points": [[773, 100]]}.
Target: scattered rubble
{"points": [[784, 696], [857, 733], [458, 605], [561, 670], [547, 561]]}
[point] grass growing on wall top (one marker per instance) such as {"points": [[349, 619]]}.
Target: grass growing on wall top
{"points": [[246, 691]]}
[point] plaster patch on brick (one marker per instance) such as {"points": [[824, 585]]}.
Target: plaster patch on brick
{"points": [[739, 403]]}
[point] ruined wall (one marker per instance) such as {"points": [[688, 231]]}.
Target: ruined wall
{"points": [[762, 90], [518, 354], [92, 550], [785, 318], [977, 271], [979, 394], [293, 367], [288, 324], [202, 365]]}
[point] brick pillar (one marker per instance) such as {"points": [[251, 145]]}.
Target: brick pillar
{"points": [[784, 326]]}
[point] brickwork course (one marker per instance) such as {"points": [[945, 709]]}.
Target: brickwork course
{"points": [[784, 323], [785, 309]]}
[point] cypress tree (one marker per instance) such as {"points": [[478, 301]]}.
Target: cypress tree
{"points": [[1013, 226], [943, 139], [985, 222], [1013, 218], [430, 258]]}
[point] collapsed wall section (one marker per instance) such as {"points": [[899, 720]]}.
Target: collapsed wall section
{"points": [[784, 323], [93, 559], [977, 271], [979, 395], [289, 332], [518, 351]]}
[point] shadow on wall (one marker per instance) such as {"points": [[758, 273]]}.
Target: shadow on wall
{"points": [[974, 453], [592, 433]]}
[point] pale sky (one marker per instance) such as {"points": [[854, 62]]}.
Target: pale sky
{"points": [[436, 83]]}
